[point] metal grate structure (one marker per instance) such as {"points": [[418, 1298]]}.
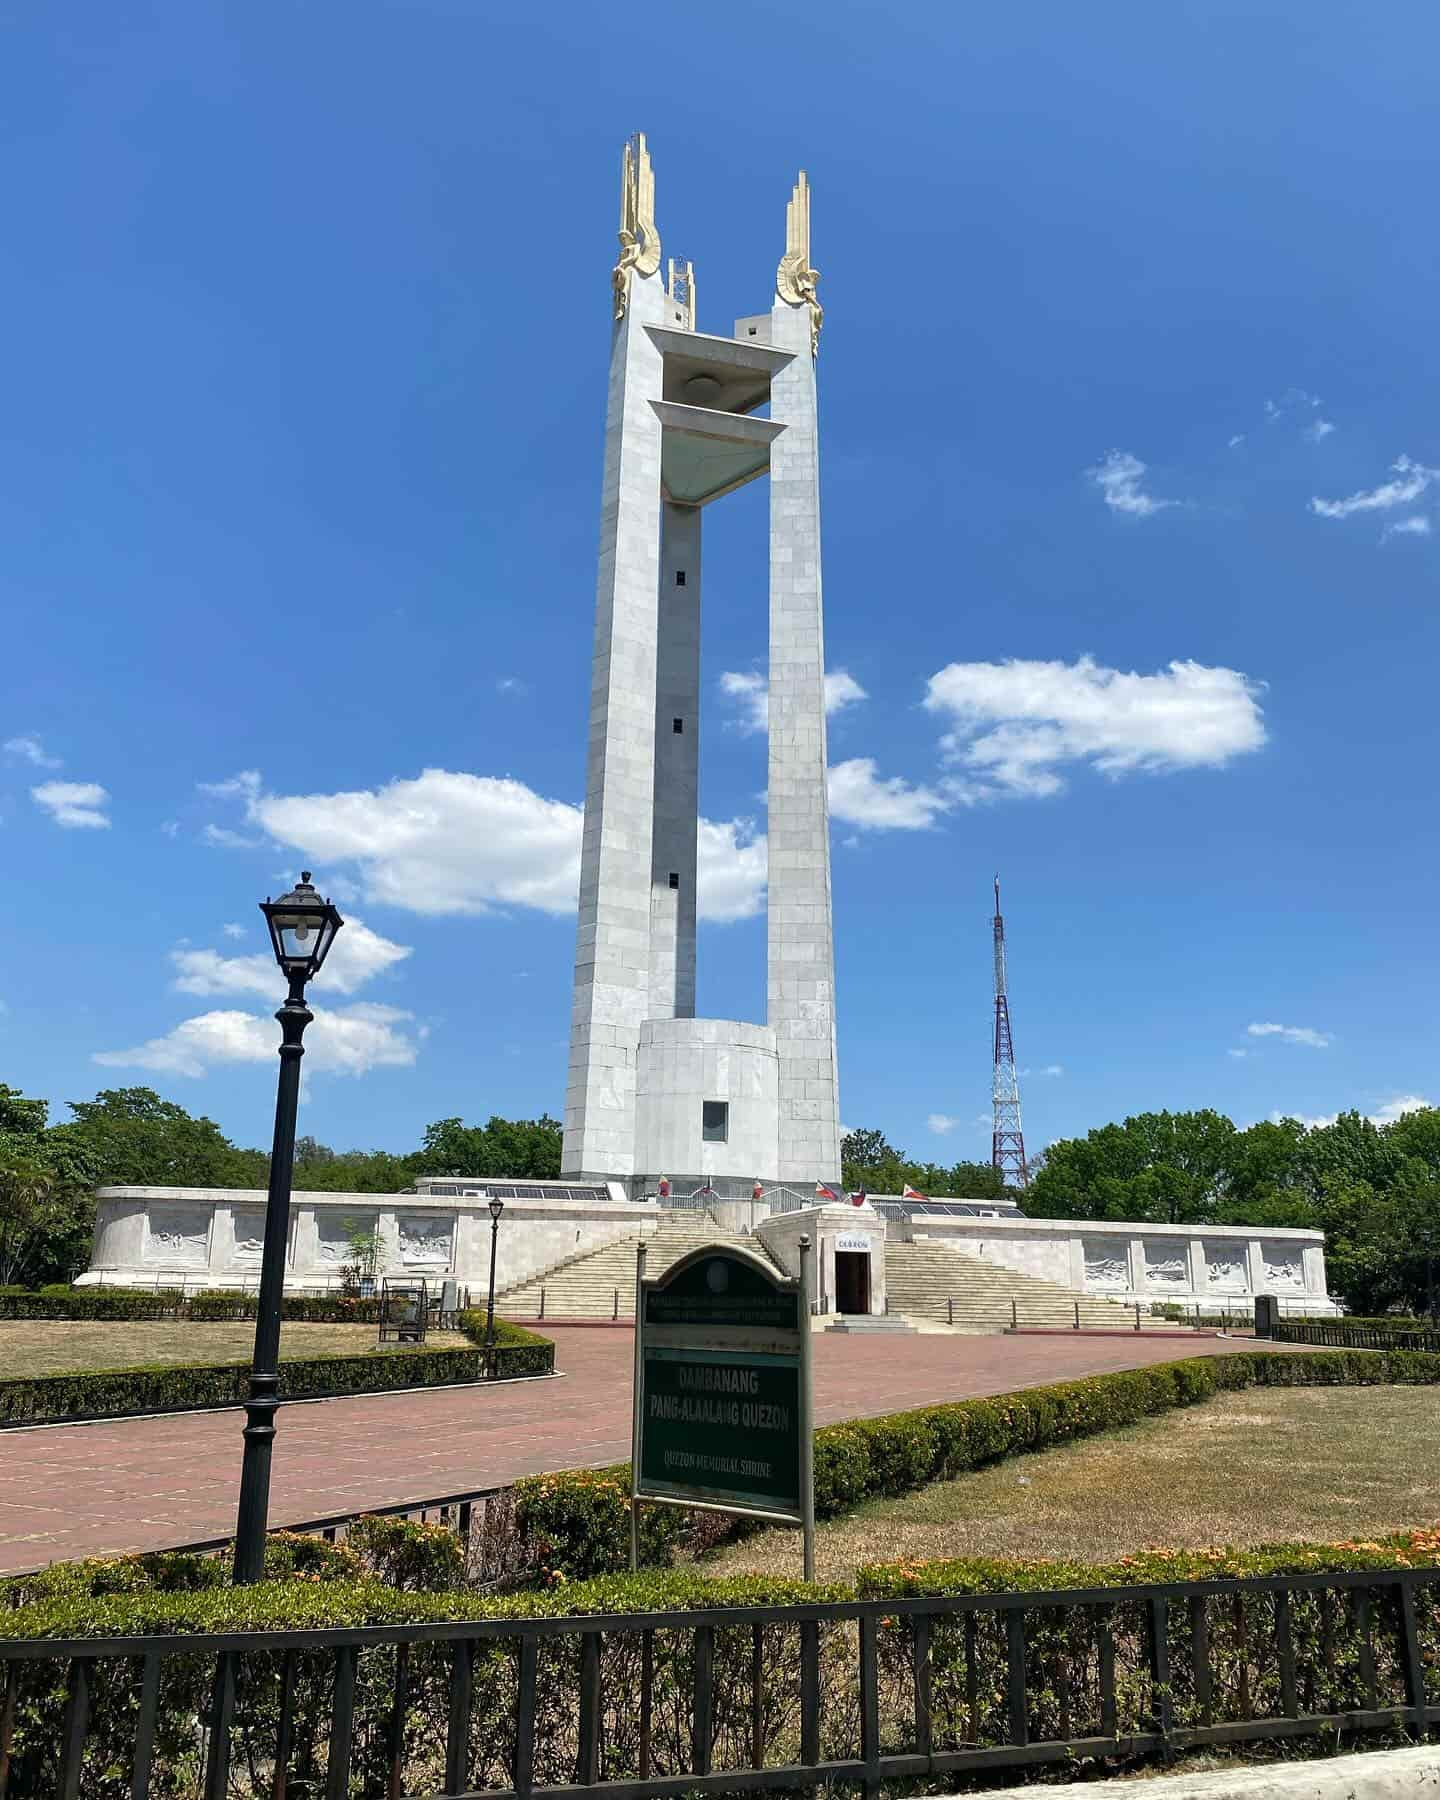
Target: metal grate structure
{"points": [[1007, 1142], [725, 1700]]}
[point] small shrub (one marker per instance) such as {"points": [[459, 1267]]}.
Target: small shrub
{"points": [[408, 1555]]}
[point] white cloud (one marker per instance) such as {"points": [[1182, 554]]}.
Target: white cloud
{"points": [[858, 796], [942, 1123], [1118, 476], [1053, 1069], [358, 955], [30, 749], [77, 805], [1385, 1114], [512, 684], [1397, 1108], [1411, 481], [1292, 400], [1013, 724], [171, 827], [1417, 525], [1239, 1055], [347, 1040], [1294, 1034], [1318, 430], [842, 690], [246, 784], [220, 837], [233, 931], [442, 843], [1235, 442], [731, 871], [750, 689]]}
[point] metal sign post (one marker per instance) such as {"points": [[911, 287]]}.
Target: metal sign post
{"points": [[722, 1409]]}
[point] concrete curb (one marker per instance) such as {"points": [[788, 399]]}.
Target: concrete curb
{"points": [[1412, 1774]]}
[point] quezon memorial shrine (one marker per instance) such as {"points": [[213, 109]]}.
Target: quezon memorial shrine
{"points": [[679, 1129]]}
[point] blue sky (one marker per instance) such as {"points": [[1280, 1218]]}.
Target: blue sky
{"points": [[307, 318]]}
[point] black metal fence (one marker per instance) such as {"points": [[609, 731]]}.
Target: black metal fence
{"points": [[1340, 1336], [723, 1700]]}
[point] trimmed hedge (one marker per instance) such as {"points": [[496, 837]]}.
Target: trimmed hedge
{"points": [[211, 1306], [574, 1525], [111, 1393], [62, 1302], [314, 1586], [518, 1351]]}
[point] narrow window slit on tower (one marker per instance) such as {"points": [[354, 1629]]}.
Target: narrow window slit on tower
{"points": [[678, 727], [679, 578], [674, 879]]}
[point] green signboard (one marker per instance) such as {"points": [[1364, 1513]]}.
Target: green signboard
{"points": [[722, 1427], [722, 1388], [718, 1289]]}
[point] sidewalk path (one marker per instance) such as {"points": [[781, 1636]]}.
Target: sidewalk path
{"points": [[142, 1484]]}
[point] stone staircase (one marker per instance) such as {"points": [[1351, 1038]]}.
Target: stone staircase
{"points": [[600, 1283], [930, 1279]]}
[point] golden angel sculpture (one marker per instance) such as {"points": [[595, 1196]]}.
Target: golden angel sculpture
{"points": [[795, 280], [639, 240]]}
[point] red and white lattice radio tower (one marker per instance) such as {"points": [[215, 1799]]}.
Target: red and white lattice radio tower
{"points": [[1007, 1142]]}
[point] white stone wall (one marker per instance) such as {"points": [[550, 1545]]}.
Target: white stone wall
{"points": [[421, 1237], [1208, 1266], [801, 952], [683, 1063]]}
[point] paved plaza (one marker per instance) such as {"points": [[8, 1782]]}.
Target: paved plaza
{"points": [[144, 1484]]}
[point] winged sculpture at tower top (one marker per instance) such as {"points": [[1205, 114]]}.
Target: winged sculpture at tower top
{"points": [[639, 240], [795, 279]]}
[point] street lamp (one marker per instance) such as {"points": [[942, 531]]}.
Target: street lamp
{"points": [[302, 929], [497, 1207]]}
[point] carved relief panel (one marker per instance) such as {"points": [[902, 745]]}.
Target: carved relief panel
{"points": [[1165, 1264], [1284, 1269], [427, 1240], [1106, 1265], [177, 1233], [1225, 1270]]}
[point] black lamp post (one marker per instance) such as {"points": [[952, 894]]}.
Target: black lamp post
{"points": [[302, 929], [496, 1208]]}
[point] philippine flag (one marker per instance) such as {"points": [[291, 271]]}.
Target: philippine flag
{"points": [[825, 1193], [859, 1199], [913, 1194]]}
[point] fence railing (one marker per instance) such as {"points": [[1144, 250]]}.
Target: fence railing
{"points": [[727, 1699], [1340, 1336]]}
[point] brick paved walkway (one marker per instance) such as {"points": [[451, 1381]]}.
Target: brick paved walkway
{"points": [[142, 1484]]}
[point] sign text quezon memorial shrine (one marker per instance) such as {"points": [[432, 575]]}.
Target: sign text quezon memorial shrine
{"points": [[722, 1389]]}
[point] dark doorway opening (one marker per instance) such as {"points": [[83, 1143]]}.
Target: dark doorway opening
{"points": [[852, 1281]]}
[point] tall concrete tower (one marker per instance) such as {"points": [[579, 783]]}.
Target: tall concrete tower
{"points": [[652, 1089]]}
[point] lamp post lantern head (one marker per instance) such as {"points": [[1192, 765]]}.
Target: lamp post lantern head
{"points": [[302, 929], [497, 1206]]}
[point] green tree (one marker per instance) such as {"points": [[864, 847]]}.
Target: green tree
{"points": [[133, 1137], [45, 1222], [868, 1160], [1172, 1168], [520, 1147]]}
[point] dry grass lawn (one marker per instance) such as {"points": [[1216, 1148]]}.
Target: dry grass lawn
{"points": [[1280, 1464], [64, 1346]]}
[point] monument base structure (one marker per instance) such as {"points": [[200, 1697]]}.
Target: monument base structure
{"points": [[197, 1238]]}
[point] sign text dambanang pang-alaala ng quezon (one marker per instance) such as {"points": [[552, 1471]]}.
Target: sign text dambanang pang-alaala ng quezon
{"points": [[712, 1405]]}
